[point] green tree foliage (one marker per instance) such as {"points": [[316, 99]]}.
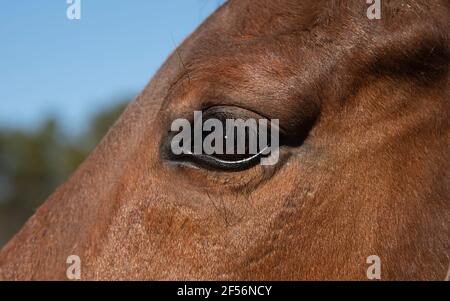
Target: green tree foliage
{"points": [[34, 163]]}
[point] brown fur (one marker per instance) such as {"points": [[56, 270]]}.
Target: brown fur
{"points": [[372, 177]]}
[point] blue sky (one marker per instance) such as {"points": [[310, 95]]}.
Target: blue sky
{"points": [[71, 69]]}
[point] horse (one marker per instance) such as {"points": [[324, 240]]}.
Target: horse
{"points": [[362, 172]]}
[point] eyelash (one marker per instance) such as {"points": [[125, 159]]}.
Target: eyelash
{"points": [[212, 162]]}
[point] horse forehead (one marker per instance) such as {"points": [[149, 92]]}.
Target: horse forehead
{"points": [[247, 33]]}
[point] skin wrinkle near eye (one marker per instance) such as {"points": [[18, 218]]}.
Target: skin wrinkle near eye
{"points": [[210, 102], [177, 82], [208, 96]]}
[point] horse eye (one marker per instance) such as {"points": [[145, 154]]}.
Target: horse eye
{"points": [[224, 141]]}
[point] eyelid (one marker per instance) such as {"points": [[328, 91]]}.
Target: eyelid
{"points": [[231, 111], [253, 114]]}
